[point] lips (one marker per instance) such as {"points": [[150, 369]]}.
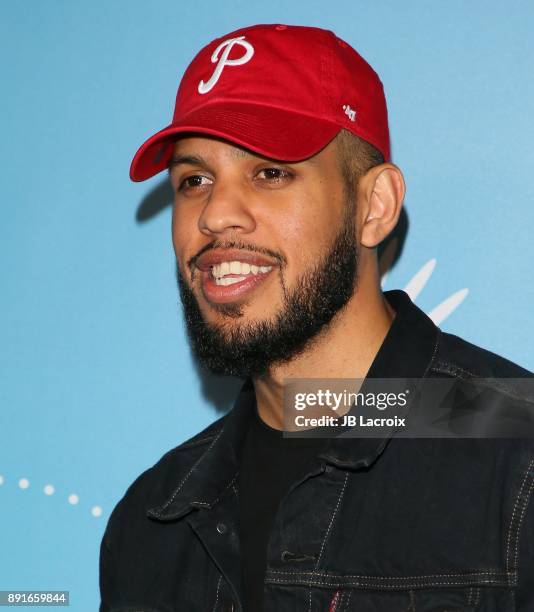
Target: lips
{"points": [[232, 274], [211, 258]]}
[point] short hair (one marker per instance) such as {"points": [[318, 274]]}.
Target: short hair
{"points": [[356, 157]]}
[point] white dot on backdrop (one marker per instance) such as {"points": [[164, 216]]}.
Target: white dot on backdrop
{"points": [[24, 483], [1, 480], [73, 499], [96, 511], [48, 490]]}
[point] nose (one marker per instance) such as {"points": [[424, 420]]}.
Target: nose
{"points": [[226, 210]]}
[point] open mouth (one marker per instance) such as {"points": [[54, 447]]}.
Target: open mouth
{"points": [[231, 274], [229, 280]]}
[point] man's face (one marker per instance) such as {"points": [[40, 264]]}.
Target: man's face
{"points": [[266, 252]]}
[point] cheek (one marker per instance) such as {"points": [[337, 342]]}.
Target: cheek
{"points": [[308, 231], [184, 230]]}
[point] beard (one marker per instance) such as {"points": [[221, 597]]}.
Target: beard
{"points": [[251, 348]]}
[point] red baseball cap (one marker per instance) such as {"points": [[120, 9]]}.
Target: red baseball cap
{"points": [[282, 91]]}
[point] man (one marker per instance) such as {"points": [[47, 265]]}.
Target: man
{"points": [[278, 155]]}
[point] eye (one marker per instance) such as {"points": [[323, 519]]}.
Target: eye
{"points": [[195, 182], [273, 175]]}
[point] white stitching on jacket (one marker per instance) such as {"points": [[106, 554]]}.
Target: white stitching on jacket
{"points": [[340, 496], [517, 501], [217, 593], [193, 468]]}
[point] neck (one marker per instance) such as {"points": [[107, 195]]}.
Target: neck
{"points": [[346, 348]]}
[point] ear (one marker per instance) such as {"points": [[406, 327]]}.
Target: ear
{"points": [[383, 190]]}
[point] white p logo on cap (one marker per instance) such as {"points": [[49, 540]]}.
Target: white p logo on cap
{"points": [[204, 87]]}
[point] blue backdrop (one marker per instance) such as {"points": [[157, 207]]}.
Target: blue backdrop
{"points": [[97, 381]]}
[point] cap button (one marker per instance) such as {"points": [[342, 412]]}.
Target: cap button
{"points": [[281, 27]]}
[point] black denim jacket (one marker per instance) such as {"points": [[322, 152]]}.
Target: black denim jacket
{"points": [[411, 525]]}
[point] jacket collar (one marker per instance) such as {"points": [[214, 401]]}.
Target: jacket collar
{"points": [[406, 352]]}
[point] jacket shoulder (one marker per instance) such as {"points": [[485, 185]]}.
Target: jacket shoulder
{"points": [[201, 438], [458, 357], [185, 454], [158, 482], [181, 456]]}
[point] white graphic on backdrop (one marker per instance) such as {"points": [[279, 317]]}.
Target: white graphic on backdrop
{"points": [[419, 280], [48, 489], [449, 305], [417, 283]]}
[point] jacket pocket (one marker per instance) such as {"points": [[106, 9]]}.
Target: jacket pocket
{"points": [[458, 599], [478, 590]]}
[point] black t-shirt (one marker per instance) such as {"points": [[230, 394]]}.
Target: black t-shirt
{"points": [[270, 464]]}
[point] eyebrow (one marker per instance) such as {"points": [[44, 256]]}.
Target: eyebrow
{"points": [[198, 160], [191, 160], [238, 152]]}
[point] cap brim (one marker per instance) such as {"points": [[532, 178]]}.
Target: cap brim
{"points": [[271, 132]]}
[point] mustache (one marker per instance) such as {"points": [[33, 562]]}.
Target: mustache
{"points": [[238, 245]]}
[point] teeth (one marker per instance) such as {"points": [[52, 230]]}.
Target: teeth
{"points": [[228, 281], [219, 271]]}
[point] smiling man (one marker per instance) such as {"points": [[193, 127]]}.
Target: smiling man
{"points": [[278, 155], [253, 296]]}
